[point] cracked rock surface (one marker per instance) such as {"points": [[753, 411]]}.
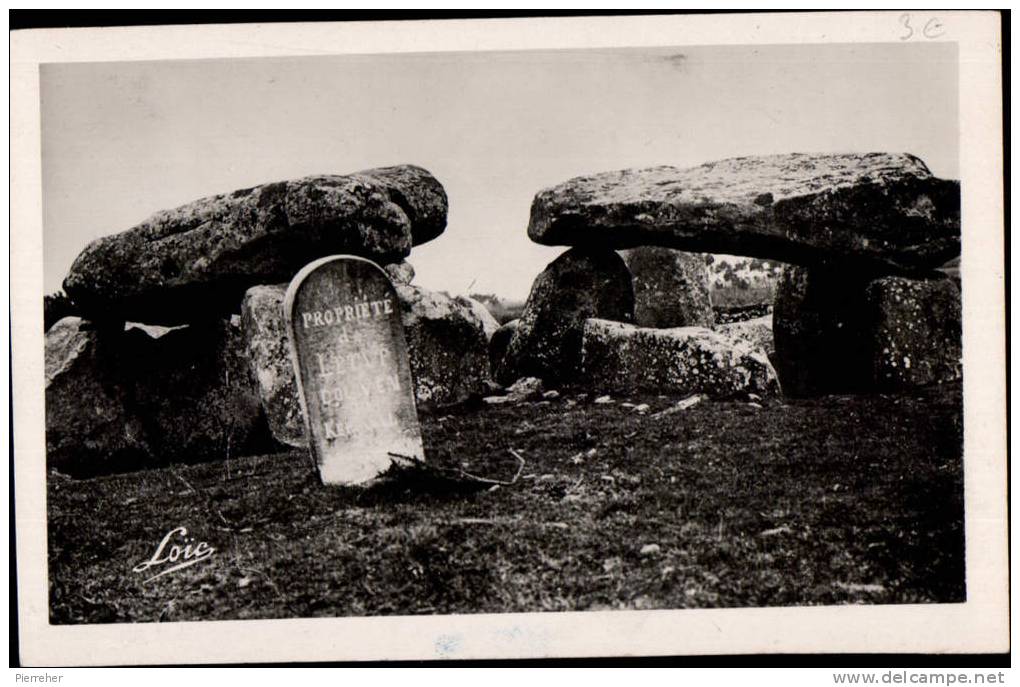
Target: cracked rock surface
{"points": [[197, 260], [623, 358], [885, 211]]}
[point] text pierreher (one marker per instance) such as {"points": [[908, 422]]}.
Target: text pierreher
{"points": [[346, 313]]}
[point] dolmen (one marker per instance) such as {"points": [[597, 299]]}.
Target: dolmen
{"points": [[179, 350], [200, 258], [861, 306]]}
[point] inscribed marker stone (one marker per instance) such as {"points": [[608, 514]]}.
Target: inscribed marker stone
{"points": [[350, 357]]}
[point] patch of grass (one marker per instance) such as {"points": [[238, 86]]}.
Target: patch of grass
{"points": [[824, 501]]}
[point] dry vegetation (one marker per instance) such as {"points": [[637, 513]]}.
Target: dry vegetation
{"points": [[825, 501]]}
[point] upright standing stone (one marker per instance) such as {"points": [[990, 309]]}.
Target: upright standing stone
{"points": [[837, 331], [499, 343], [267, 345], [916, 332], [448, 344], [149, 396], [579, 284], [89, 423], [820, 330], [670, 288], [192, 389], [354, 380]]}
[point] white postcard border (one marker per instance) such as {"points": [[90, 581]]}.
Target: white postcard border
{"points": [[979, 625]]}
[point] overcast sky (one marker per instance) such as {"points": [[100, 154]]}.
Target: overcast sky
{"points": [[123, 140]]}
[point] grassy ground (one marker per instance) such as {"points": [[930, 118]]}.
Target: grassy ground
{"points": [[825, 501]]}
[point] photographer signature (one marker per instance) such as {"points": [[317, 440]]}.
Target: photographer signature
{"points": [[183, 554]]}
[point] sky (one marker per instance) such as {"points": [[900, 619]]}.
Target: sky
{"points": [[121, 140]]}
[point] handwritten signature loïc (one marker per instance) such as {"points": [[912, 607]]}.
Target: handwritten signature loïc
{"points": [[188, 553]]}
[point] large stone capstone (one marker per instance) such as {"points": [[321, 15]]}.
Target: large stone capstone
{"points": [[671, 288], [883, 210], [197, 260], [578, 285], [623, 358]]}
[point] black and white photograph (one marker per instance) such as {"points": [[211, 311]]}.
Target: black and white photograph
{"points": [[560, 332]]}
